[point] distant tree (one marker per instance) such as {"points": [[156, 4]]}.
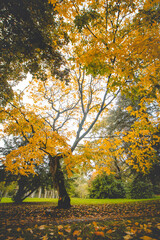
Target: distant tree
{"points": [[78, 185]]}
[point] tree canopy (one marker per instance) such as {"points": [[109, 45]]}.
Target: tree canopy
{"points": [[30, 43]]}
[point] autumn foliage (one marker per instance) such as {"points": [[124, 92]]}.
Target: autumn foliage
{"points": [[113, 49]]}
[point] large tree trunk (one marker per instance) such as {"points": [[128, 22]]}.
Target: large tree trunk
{"points": [[59, 181]]}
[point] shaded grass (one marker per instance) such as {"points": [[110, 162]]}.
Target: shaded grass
{"points": [[80, 201]]}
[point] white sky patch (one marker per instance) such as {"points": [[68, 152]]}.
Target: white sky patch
{"points": [[22, 86]]}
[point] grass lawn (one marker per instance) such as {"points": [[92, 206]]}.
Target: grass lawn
{"points": [[80, 201]]}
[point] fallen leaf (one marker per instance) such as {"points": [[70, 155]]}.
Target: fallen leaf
{"points": [[76, 233], [158, 225], [148, 230], [94, 223], [99, 234], [145, 227], [60, 227], [51, 233], [102, 228], [42, 227], [68, 229], [126, 237], [131, 231], [147, 238], [45, 237], [109, 231], [30, 230], [18, 229]]}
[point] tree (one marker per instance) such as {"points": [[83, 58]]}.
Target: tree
{"points": [[30, 43], [25, 185], [46, 123]]}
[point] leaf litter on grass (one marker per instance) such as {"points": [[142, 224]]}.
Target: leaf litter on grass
{"points": [[121, 229], [64, 224]]}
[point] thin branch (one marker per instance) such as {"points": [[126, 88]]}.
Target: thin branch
{"points": [[106, 15]]}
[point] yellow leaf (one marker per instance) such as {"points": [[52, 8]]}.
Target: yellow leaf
{"points": [[158, 225], [147, 238], [30, 230], [60, 227], [45, 237], [126, 237], [76, 233]]}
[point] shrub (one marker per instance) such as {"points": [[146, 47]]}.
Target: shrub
{"points": [[141, 188], [105, 186]]}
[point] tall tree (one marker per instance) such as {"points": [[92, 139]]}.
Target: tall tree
{"points": [[30, 43], [47, 122]]}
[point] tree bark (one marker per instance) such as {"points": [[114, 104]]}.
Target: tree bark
{"points": [[59, 181]]}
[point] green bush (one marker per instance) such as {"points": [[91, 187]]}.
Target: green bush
{"points": [[156, 189], [105, 186], [141, 188]]}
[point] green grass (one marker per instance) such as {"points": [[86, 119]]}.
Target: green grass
{"points": [[79, 201]]}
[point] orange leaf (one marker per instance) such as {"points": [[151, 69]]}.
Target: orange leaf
{"points": [[76, 233], [99, 234], [109, 231], [147, 238]]}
